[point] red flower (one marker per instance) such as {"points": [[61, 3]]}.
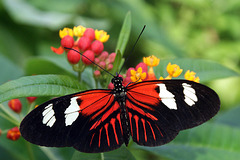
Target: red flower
{"points": [[31, 99], [67, 41], [59, 50], [13, 134], [15, 105], [90, 55], [73, 57]]}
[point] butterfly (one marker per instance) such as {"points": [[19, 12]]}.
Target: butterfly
{"points": [[100, 120]]}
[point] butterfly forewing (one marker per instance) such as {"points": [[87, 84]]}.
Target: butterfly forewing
{"points": [[89, 121], [158, 110]]}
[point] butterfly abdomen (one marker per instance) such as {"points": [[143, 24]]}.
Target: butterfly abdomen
{"points": [[119, 93]]}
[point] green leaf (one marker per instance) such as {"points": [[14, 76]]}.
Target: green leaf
{"points": [[208, 142], [230, 118], [119, 154], [8, 70], [48, 65], [124, 34], [40, 85], [205, 69]]}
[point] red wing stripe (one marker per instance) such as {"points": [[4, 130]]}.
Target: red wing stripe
{"points": [[130, 119], [152, 130], [92, 139], [114, 129], [99, 140], [136, 121], [106, 128], [118, 118], [144, 128], [159, 130]]}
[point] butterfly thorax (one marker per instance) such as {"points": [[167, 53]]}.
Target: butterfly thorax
{"points": [[119, 93]]}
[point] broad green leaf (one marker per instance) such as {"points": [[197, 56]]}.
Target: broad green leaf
{"points": [[39, 85], [208, 142], [230, 117], [8, 70], [48, 65], [205, 69], [124, 34], [119, 154]]}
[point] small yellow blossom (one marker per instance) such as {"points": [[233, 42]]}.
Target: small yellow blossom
{"points": [[101, 35], [78, 31], [191, 76], [173, 70], [65, 31], [151, 61], [161, 78], [138, 76]]}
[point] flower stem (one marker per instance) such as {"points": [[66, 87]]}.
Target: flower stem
{"points": [[30, 151], [102, 156], [8, 116]]}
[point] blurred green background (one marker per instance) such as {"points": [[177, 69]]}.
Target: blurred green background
{"points": [[202, 29]]}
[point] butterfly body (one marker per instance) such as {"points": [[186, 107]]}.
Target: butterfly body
{"points": [[99, 120]]}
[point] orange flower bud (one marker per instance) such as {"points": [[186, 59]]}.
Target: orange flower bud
{"points": [[15, 105], [13, 134]]}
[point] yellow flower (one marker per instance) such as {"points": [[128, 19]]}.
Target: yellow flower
{"points": [[101, 35], [65, 31], [78, 31], [173, 70], [151, 61], [138, 76], [191, 76]]}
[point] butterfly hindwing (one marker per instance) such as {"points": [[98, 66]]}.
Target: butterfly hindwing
{"points": [[158, 110], [89, 121]]}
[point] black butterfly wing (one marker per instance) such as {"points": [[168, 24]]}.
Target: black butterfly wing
{"points": [[158, 110], [88, 121]]}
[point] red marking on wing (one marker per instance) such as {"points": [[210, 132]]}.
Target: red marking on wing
{"points": [[145, 93], [92, 139], [112, 121], [136, 121], [144, 128], [130, 119], [151, 130], [106, 128], [105, 115], [159, 130], [119, 120], [99, 140], [139, 110], [94, 100]]}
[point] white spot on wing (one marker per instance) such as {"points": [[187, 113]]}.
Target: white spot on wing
{"points": [[189, 94], [72, 112], [167, 97], [48, 115]]}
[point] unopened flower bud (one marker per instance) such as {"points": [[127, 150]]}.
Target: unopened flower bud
{"points": [[67, 41], [73, 57], [84, 43], [97, 73], [31, 99], [15, 105], [103, 56], [90, 55], [13, 134], [110, 66], [97, 47], [112, 57], [90, 33]]}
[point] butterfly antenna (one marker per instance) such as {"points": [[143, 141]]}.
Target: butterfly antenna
{"points": [[133, 48], [89, 60]]}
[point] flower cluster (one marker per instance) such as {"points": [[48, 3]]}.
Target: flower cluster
{"points": [[16, 106], [89, 43], [144, 71]]}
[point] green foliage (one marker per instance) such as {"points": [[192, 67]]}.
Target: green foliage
{"points": [[200, 36]]}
